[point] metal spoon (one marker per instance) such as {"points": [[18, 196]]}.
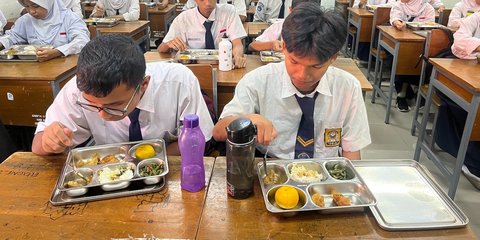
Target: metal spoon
{"points": [[265, 162]]}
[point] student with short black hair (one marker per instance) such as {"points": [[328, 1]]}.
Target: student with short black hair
{"points": [[117, 97], [310, 108]]}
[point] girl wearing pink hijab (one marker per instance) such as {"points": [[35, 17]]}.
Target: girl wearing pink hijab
{"points": [[411, 11], [48, 22], [466, 43], [462, 10]]}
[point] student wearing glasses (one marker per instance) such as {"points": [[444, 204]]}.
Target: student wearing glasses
{"points": [[117, 97]]}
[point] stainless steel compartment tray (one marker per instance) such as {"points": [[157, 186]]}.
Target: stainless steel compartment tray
{"points": [[424, 25], [22, 53], [408, 197], [271, 56], [353, 187], [207, 56]]}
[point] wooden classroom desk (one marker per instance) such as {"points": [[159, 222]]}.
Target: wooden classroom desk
{"points": [[160, 20], [25, 212], [250, 13], [362, 20], [138, 30], [28, 88], [228, 218], [254, 29], [405, 46], [459, 80]]}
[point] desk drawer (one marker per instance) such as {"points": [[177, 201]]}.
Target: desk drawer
{"points": [[24, 105]]}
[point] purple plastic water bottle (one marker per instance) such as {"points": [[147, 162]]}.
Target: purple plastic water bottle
{"points": [[192, 145]]}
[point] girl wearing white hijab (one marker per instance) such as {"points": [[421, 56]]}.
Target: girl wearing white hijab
{"points": [[48, 22], [461, 10], [128, 10], [411, 11], [74, 5]]}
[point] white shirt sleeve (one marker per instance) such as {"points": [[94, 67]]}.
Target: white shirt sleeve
{"points": [[467, 37], [3, 21], [175, 28], [456, 15], [77, 33], [240, 7], [272, 33], [17, 34], [133, 13]]}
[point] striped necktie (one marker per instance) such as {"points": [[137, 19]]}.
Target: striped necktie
{"points": [[305, 142]]}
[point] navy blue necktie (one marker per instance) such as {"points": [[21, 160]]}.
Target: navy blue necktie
{"points": [[305, 142], [134, 132], [282, 9], [209, 44]]}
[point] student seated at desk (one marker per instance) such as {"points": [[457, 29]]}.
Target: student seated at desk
{"points": [[462, 10], [402, 12], [310, 108], [466, 43], [48, 22], [204, 27], [161, 4], [124, 10], [268, 9], [116, 97], [239, 5], [380, 3], [271, 37], [74, 5], [3, 22]]}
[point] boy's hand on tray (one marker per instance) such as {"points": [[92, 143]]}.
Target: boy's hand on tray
{"points": [[56, 138], [177, 44]]}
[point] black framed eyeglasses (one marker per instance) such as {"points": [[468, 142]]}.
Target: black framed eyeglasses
{"points": [[111, 111]]}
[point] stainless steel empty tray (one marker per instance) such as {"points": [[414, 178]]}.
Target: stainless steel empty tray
{"points": [[408, 198]]}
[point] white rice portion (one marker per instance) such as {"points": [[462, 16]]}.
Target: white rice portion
{"points": [[108, 175], [300, 174]]}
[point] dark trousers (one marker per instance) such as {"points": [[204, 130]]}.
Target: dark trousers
{"points": [[6, 144]]}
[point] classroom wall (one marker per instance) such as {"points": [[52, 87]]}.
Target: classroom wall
{"points": [[10, 8]]}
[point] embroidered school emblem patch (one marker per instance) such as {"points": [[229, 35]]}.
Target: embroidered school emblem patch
{"points": [[332, 137]]}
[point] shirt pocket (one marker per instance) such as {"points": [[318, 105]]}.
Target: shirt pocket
{"points": [[329, 137], [195, 39]]}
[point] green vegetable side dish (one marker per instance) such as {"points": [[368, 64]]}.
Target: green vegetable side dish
{"points": [[151, 170], [338, 172]]}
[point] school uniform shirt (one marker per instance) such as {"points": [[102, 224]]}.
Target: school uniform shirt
{"points": [[239, 5], [268, 91], [267, 9], [467, 38], [461, 10], [413, 11], [272, 33], [3, 22], [74, 5], [436, 3], [129, 9], [375, 3], [63, 29], [188, 25], [172, 92]]}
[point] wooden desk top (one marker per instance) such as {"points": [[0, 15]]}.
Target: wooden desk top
{"points": [[25, 212], [51, 70], [406, 35], [251, 10], [254, 29], [360, 12], [463, 72], [155, 10], [227, 218], [231, 78], [126, 28]]}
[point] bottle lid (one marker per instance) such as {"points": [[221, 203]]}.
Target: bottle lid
{"points": [[190, 121], [241, 130]]}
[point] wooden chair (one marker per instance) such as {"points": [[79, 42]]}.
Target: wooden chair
{"points": [[436, 41], [443, 17], [206, 76], [381, 16]]}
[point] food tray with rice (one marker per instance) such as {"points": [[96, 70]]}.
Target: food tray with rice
{"points": [[408, 197], [325, 185], [110, 171], [201, 56], [423, 25], [271, 56], [102, 22], [22, 53]]}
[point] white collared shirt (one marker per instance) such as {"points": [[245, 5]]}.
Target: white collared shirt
{"points": [[268, 91], [130, 11], [459, 12], [172, 92], [267, 9], [189, 26], [239, 5], [467, 38], [272, 33]]}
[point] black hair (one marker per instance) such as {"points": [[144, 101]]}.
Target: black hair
{"points": [[106, 62], [297, 2], [309, 30]]}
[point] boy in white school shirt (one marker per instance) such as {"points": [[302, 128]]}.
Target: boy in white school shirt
{"points": [[239, 5], [190, 30], [268, 9], [117, 97], [310, 108]]}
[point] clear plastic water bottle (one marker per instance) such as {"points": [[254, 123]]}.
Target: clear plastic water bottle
{"points": [[225, 57], [191, 143]]}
